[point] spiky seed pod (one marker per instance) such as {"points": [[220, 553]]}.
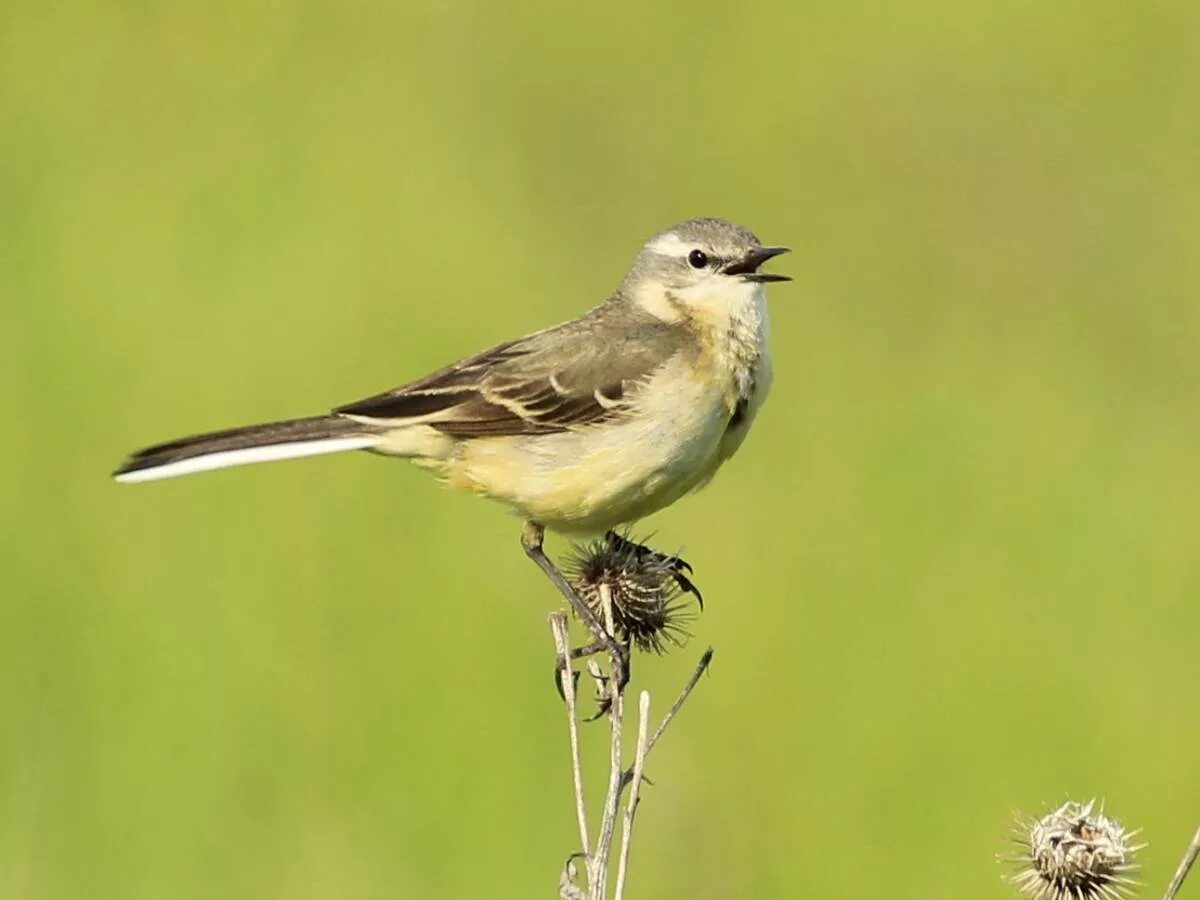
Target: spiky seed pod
{"points": [[647, 590], [1074, 853]]}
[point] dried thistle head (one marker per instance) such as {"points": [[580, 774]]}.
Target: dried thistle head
{"points": [[647, 590], [1075, 852]]}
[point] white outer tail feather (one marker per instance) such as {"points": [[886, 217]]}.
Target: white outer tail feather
{"points": [[224, 459]]}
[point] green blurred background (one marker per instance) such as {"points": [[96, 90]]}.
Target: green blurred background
{"points": [[953, 572]]}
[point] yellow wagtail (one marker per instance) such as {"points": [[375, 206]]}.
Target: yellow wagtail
{"points": [[587, 425]]}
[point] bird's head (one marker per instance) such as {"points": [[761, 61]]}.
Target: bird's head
{"points": [[700, 265]]}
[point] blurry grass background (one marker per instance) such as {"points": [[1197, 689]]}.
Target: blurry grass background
{"points": [[953, 572]]}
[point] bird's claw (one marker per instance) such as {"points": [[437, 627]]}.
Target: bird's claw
{"points": [[558, 684], [680, 568], [620, 668]]}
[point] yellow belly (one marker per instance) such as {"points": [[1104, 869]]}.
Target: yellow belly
{"points": [[603, 475], [588, 480]]}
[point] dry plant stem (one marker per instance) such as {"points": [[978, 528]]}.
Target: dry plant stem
{"points": [[701, 668], [608, 686], [598, 873], [567, 889], [566, 675], [1185, 866], [639, 763]]}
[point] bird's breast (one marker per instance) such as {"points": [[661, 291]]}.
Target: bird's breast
{"points": [[748, 361]]}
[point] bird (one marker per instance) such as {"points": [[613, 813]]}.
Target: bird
{"points": [[581, 427]]}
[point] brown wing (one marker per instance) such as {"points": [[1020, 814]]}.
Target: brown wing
{"points": [[575, 374]]}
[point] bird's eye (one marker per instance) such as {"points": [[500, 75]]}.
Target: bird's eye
{"points": [[697, 259]]}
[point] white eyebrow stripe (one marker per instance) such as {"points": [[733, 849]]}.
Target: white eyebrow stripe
{"points": [[670, 244]]}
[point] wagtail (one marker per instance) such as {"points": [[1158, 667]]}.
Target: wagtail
{"points": [[582, 427]]}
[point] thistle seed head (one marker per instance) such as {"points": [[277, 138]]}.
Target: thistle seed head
{"points": [[1075, 853], [648, 590]]}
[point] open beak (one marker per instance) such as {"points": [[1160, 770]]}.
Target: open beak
{"points": [[748, 265]]}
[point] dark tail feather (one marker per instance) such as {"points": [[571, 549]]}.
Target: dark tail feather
{"points": [[241, 446]]}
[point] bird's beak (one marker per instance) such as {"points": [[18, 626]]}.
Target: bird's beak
{"points": [[748, 265]]}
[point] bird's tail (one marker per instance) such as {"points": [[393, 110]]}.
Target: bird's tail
{"points": [[251, 444]]}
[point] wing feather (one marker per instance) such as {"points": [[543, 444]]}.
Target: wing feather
{"points": [[576, 374]]}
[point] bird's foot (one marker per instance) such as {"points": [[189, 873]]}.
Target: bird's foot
{"points": [[680, 568], [619, 673]]}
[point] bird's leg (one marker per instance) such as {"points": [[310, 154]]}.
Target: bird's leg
{"points": [[532, 537], [680, 568]]}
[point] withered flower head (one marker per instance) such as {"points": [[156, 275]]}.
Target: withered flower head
{"points": [[647, 589], [1075, 853]]}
